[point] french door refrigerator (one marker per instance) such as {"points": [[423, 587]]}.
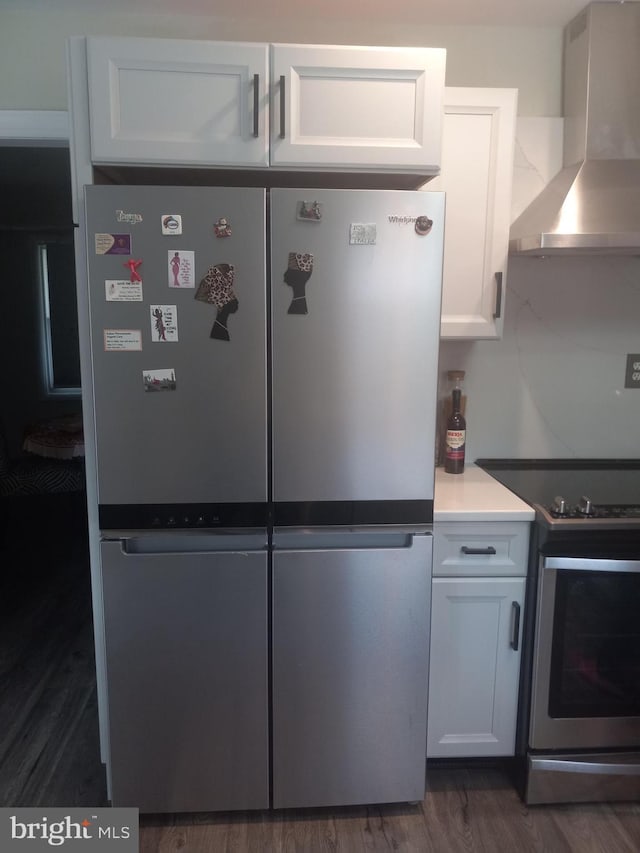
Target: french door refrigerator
{"points": [[264, 383]]}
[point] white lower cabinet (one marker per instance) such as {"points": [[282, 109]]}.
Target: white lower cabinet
{"points": [[476, 628]]}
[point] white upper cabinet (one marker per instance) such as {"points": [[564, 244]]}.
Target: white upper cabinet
{"points": [[477, 171], [357, 107], [178, 102], [226, 104]]}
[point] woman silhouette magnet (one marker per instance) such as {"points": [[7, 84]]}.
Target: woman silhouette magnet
{"points": [[216, 288], [297, 275]]}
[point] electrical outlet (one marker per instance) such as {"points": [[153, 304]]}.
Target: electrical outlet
{"points": [[632, 375]]}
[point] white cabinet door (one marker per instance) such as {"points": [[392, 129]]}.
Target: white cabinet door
{"points": [[357, 107], [169, 101], [474, 666], [477, 172]]}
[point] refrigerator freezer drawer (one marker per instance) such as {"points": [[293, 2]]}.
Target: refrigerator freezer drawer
{"points": [[350, 672], [186, 645]]}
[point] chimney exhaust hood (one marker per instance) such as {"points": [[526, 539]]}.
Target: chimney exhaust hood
{"points": [[592, 206]]}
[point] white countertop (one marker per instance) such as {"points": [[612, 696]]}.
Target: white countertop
{"points": [[475, 496]]}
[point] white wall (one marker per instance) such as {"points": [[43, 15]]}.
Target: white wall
{"points": [[32, 47], [554, 385]]}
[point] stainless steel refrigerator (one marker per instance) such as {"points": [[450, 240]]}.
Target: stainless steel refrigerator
{"points": [[264, 381]]}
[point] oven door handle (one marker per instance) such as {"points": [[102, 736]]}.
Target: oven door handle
{"points": [[515, 631], [584, 564], [593, 767]]}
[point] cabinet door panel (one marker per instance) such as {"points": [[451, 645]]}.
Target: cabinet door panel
{"points": [[477, 173], [357, 107], [474, 670], [170, 101]]}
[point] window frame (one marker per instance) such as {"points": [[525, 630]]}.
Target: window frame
{"points": [[50, 388]]}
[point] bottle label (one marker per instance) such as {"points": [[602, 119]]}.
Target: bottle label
{"points": [[456, 440]]}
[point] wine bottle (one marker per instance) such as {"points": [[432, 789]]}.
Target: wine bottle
{"points": [[456, 435]]}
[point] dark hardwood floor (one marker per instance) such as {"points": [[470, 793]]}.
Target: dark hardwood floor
{"points": [[49, 753], [49, 749], [464, 811]]}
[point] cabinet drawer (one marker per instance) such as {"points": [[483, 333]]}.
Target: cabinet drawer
{"points": [[480, 549]]}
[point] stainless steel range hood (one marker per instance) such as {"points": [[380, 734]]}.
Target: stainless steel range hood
{"points": [[592, 206]]}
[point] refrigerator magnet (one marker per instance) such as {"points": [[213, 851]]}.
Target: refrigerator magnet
{"points": [[113, 244], [128, 218], [423, 225], [122, 340], [133, 265], [362, 234], [159, 380], [164, 323], [297, 274], [216, 288], [309, 211], [171, 224], [118, 290], [221, 228], [181, 266]]}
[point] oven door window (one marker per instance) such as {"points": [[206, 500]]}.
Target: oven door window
{"points": [[595, 659]]}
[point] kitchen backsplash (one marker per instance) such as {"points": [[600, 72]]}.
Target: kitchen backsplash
{"points": [[554, 385]]}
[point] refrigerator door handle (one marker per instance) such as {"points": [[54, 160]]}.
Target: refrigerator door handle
{"points": [[344, 540], [169, 543]]}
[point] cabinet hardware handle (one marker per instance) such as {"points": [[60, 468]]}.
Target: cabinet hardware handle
{"points": [[498, 311], [282, 102], [515, 636], [256, 103], [488, 550]]}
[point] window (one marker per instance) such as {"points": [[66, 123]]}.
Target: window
{"points": [[60, 348]]}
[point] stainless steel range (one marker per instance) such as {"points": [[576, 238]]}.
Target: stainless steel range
{"points": [[579, 718]]}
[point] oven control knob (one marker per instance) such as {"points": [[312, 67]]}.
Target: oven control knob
{"points": [[585, 507], [559, 506]]}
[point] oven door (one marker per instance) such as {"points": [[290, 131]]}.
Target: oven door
{"points": [[586, 668]]}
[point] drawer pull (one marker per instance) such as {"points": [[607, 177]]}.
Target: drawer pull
{"points": [[488, 551], [515, 636]]}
